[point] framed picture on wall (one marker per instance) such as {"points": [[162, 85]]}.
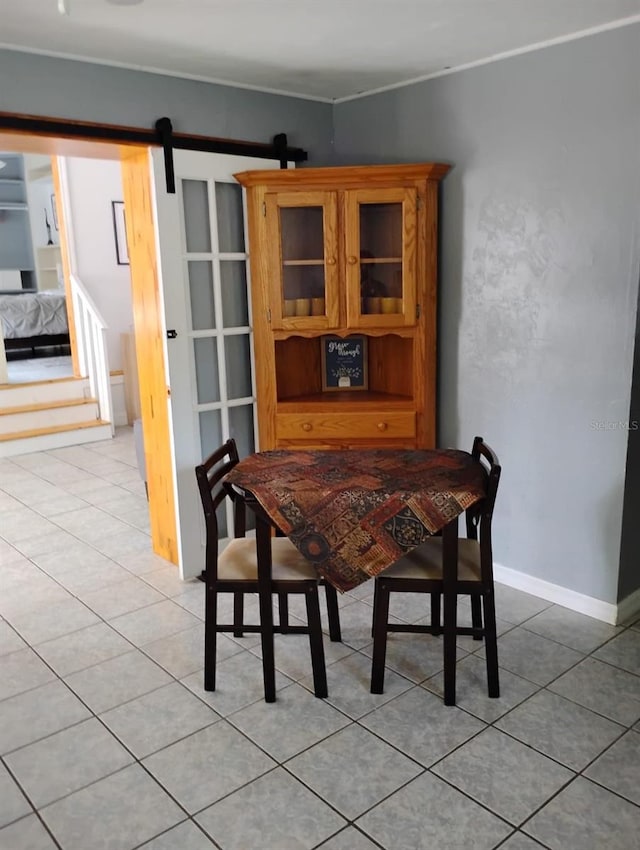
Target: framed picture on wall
{"points": [[120, 233]]}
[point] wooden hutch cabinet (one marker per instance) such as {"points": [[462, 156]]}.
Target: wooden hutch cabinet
{"points": [[344, 254]]}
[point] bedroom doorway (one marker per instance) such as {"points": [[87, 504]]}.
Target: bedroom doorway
{"points": [[133, 156], [137, 192], [32, 299]]}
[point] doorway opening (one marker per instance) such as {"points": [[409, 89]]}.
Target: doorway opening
{"points": [[169, 460]]}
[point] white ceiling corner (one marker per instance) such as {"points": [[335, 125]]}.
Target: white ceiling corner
{"points": [[320, 49]]}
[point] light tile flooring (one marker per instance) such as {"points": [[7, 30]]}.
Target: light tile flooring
{"points": [[109, 741]]}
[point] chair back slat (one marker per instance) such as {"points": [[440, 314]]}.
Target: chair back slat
{"points": [[482, 512], [209, 475], [483, 453]]}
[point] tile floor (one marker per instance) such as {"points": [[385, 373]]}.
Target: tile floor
{"points": [[108, 741]]}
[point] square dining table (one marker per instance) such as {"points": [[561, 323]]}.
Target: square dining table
{"points": [[353, 513]]}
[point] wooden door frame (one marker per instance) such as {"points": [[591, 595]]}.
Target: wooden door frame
{"points": [[147, 313]]}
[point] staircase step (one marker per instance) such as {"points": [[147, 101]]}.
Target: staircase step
{"points": [[34, 417], [46, 405], [39, 392], [54, 437]]}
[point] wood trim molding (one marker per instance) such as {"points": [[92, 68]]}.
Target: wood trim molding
{"points": [[147, 313], [345, 176]]}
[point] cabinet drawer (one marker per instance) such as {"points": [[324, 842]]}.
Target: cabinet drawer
{"points": [[306, 426]]}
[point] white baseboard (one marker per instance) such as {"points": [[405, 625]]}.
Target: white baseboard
{"points": [[588, 605]]}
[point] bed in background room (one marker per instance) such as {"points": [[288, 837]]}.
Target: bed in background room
{"points": [[33, 320]]}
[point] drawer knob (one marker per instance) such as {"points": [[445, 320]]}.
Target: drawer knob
{"points": [[352, 261], [306, 426], [382, 426], [331, 261]]}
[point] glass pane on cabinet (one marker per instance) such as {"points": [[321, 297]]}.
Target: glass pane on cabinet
{"points": [[203, 315], [302, 233], [196, 216], [238, 361], [206, 357], [233, 285], [381, 287], [230, 218], [381, 258], [381, 231], [303, 283], [303, 291]]}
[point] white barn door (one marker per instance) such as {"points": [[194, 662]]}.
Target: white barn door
{"points": [[204, 280]]}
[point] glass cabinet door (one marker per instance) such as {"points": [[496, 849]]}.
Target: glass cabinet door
{"points": [[381, 257], [304, 259]]}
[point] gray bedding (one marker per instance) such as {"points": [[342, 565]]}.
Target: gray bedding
{"points": [[28, 314]]}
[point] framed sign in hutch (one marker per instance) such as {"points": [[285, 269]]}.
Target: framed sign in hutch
{"points": [[344, 363]]}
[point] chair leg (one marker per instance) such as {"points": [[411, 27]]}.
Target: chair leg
{"points": [[375, 604], [238, 614], [449, 604], [210, 635], [450, 651], [265, 601], [283, 613], [315, 642], [436, 629], [332, 610], [491, 644], [380, 619], [476, 616]]}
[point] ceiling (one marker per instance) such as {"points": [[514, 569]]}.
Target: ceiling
{"points": [[320, 49]]}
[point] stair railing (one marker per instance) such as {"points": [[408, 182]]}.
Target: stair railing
{"points": [[91, 340]]}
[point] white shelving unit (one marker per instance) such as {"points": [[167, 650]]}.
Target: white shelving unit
{"points": [[16, 251], [49, 267], [46, 250]]}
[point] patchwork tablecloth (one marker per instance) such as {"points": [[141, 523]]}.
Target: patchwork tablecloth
{"points": [[353, 513]]}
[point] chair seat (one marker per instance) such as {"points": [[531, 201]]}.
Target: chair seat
{"points": [[239, 561], [425, 562]]}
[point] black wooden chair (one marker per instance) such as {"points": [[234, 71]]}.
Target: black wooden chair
{"points": [[235, 570], [420, 571]]}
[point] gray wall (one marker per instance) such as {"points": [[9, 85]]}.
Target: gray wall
{"points": [[539, 281], [40, 85], [539, 269]]}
